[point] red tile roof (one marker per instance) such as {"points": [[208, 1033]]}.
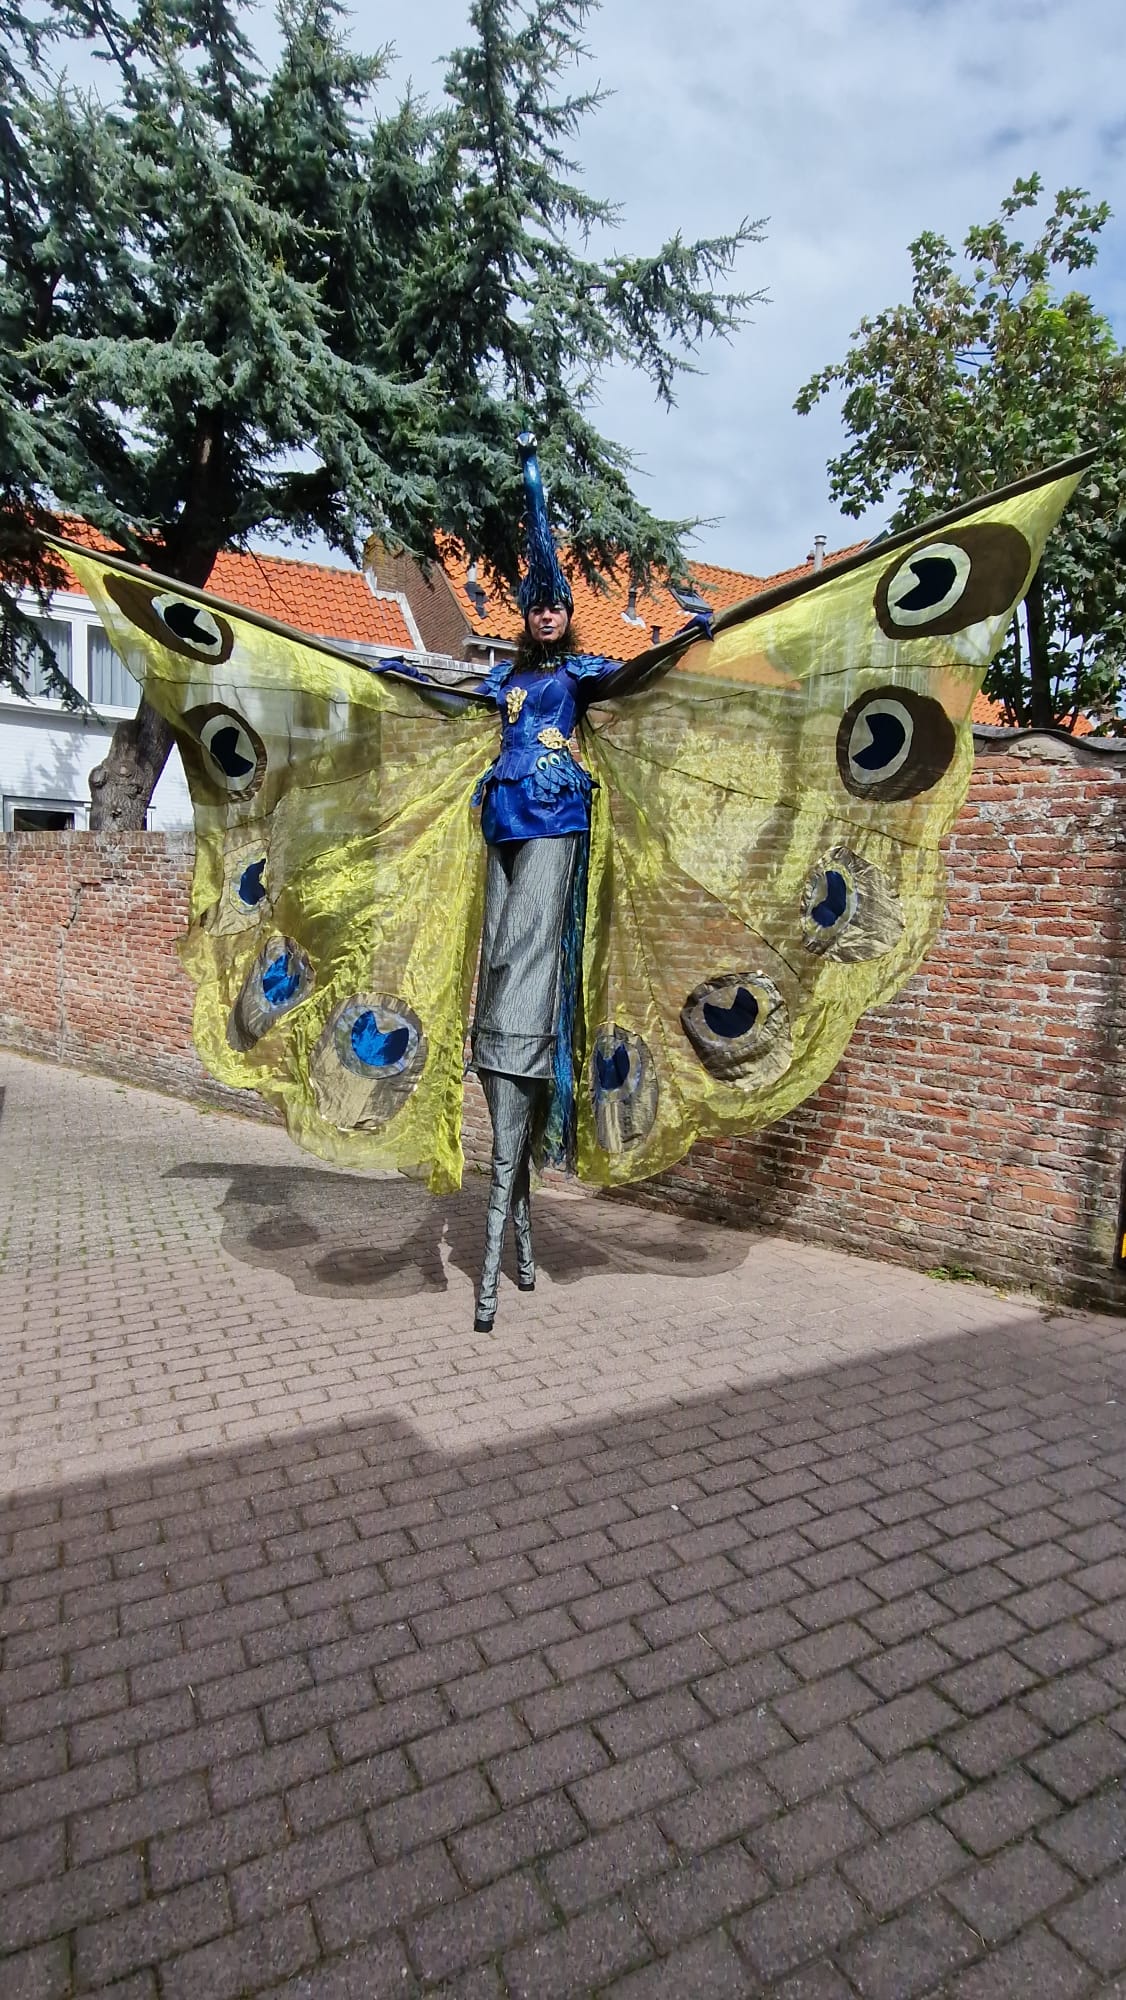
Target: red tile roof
{"points": [[601, 624], [327, 603], [338, 604]]}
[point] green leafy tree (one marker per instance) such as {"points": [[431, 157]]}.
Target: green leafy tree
{"points": [[24, 562], [991, 372], [258, 305]]}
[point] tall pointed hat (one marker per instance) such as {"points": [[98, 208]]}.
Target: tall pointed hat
{"points": [[544, 581]]}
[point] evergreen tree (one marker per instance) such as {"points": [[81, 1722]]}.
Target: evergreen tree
{"points": [[987, 374], [256, 305]]}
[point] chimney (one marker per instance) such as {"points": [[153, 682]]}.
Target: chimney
{"points": [[818, 552], [655, 634]]}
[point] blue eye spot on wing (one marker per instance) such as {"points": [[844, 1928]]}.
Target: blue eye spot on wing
{"points": [[834, 903], [612, 1070], [375, 1049], [738, 1026], [623, 1087], [280, 980], [368, 1061], [738, 1019], [888, 737], [935, 579], [251, 888]]}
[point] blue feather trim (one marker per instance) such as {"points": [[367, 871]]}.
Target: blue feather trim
{"points": [[557, 1145]]}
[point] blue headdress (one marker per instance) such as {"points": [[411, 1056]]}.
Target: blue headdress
{"points": [[544, 582]]}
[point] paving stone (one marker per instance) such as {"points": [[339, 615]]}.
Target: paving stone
{"points": [[1092, 1837], [798, 1924], [691, 1896], [992, 1814], [910, 1955], [796, 1844], [817, 1764], [909, 1785], [509, 1839], [630, 1787], [606, 1862], [380, 1899], [1095, 1924], [905, 1865], [345, 1649], [1079, 1763], [477, 1927], [710, 1966], [587, 1952], [714, 1813], [255, 1956], [1034, 1966], [1008, 1891]]}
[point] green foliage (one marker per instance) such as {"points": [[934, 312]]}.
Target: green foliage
{"points": [[990, 372], [233, 304]]}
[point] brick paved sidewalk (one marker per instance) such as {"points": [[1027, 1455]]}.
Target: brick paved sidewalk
{"points": [[738, 1619]]}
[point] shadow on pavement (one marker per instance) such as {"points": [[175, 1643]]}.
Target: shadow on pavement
{"points": [[778, 1680], [370, 1237]]}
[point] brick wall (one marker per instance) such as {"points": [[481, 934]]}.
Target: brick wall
{"points": [[979, 1121], [88, 968]]}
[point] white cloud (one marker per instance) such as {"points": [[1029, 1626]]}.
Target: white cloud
{"points": [[852, 127]]}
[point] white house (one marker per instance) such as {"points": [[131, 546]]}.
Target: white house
{"points": [[48, 752]]}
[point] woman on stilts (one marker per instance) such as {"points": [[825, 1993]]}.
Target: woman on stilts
{"points": [[535, 817]]}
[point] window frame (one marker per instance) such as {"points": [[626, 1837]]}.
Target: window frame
{"points": [[13, 802]]}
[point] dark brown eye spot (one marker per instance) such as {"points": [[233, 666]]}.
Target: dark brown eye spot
{"points": [[958, 577], [232, 754], [180, 623], [893, 743]]}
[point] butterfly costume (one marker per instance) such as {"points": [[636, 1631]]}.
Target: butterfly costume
{"points": [[676, 929]]}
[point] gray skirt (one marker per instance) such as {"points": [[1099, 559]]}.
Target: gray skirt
{"points": [[527, 897]]}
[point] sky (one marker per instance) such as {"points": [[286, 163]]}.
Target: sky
{"points": [[848, 128]]}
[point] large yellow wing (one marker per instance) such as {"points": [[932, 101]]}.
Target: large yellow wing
{"points": [[765, 857], [335, 909]]}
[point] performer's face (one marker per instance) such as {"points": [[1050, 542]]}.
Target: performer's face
{"points": [[547, 623]]}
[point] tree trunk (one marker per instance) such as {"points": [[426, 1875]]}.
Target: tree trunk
{"points": [[1041, 707], [121, 787]]}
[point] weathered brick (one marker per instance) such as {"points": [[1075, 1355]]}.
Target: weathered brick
{"points": [[587, 1952], [158, 1929], [798, 1924], [431, 1814], [294, 1873], [906, 1864], [607, 1862], [911, 1954], [498, 1845], [250, 1958], [798, 1843], [630, 1787], [381, 1899]]}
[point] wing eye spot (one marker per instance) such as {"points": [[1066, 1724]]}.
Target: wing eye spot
{"points": [[893, 744]]}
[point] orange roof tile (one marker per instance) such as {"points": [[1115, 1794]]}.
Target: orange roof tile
{"points": [[989, 714], [601, 623], [327, 603]]}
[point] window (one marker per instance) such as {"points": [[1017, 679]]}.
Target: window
{"points": [[111, 683], [58, 636], [43, 815]]}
